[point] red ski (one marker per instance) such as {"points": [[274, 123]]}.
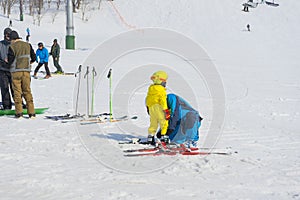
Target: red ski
{"points": [[164, 149]]}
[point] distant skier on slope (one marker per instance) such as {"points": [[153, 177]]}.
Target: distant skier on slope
{"points": [[246, 8], [156, 102], [28, 34], [248, 27]]}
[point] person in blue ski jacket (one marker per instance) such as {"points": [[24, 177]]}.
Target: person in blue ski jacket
{"points": [[28, 34], [184, 122], [42, 57]]}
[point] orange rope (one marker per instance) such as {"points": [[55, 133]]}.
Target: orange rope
{"points": [[121, 17]]}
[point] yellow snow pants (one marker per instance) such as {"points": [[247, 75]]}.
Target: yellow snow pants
{"points": [[157, 117]]}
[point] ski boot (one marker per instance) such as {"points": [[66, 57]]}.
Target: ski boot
{"points": [[151, 139], [190, 143], [19, 115], [31, 116], [165, 139]]}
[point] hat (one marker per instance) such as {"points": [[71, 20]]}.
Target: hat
{"points": [[7, 31], [55, 40], [40, 44], [159, 77], [14, 35]]}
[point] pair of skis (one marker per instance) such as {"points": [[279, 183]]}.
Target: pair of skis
{"points": [[105, 119], [64, 117], [172, 150], [95, 119]]}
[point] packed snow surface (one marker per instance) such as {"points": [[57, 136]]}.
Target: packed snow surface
{"points": [[259, 70]]}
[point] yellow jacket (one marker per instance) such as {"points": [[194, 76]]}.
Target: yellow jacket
{"points": [[157, 95]]}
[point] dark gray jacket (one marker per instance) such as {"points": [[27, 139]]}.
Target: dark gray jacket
{"points": [[4, 44]]}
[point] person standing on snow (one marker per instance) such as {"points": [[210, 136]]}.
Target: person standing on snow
{"points": [[5, 76], [55, 51], [20, 57], [28, 34], [42, 55], [156, 102], [248, 27]]}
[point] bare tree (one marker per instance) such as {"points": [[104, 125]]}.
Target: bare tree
{"points": [[49, 3], [4, 5], [31, 7], [21, 10], [7, 5], [84, 8], [99, 4], [39, 19], [74, 6], [53, 15], [78, 4], [58, 2], [40, 5], [37, 11]]}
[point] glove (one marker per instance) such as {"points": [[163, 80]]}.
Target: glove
{"points": [[167, 114], [169, 131]]}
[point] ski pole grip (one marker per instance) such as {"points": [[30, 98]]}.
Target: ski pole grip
{"points": [[87, 72], [94, 71], [78, 71], [109, 73]]}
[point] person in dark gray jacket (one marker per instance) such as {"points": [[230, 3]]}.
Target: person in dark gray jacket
{"points": [[5, 76]]}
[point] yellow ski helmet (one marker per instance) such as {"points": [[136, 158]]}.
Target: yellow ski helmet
{"points": [[159, 77]]}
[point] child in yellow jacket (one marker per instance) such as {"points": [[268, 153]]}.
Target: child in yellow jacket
{"points": [[156, 102]]}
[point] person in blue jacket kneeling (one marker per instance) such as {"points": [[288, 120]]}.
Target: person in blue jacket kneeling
{"points": [[184, 123]]}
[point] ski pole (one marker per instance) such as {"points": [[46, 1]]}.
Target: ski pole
{"points": [[78, 73], [86, 75], [94, 73], [109, 76]]}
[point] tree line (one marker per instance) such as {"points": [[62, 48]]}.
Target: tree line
{"points": [[37, 8]]}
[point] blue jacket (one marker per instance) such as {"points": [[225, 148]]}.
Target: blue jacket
{"points": [[42, 54], [185, 121]]}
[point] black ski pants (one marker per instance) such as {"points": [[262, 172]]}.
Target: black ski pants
{"points": [[6, 87], [46, 68]]}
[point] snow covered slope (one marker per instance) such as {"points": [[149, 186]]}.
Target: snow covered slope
{"points": [[42, 159]]}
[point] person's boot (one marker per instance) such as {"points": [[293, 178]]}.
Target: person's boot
{"points": [[165, 139], [47, 76], [151, 139], [31, 116], [35, 75], [19, 115]]}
